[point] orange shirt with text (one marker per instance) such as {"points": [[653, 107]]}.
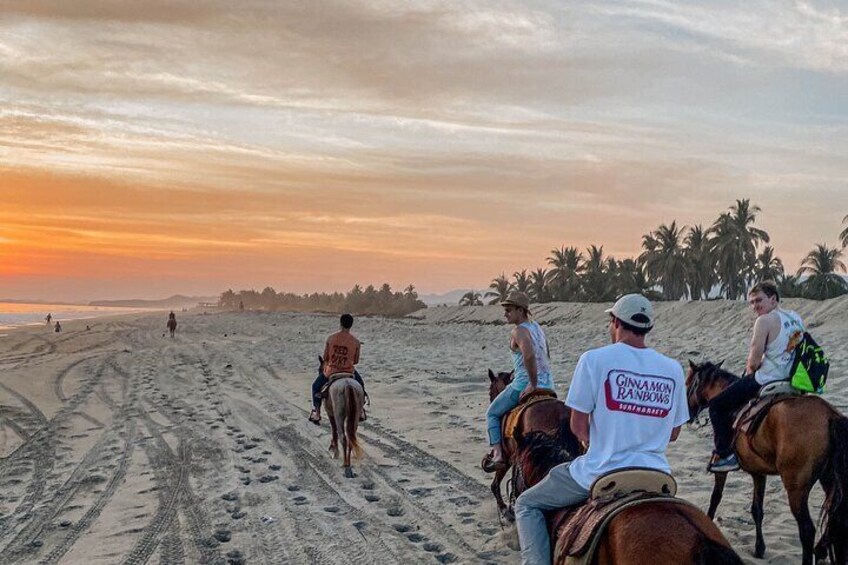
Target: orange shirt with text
{"points": [[341, 353]]}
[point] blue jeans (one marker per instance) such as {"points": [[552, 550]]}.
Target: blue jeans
{"points": [[503, 403], [555, 491], [321, 380]]}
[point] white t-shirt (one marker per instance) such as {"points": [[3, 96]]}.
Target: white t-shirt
{"points": [[635, 398]]}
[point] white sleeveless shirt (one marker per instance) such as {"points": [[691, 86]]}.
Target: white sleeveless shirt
{"points": [[779, 354]]}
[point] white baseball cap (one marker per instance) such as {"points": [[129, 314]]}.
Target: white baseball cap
{"points": [[633, 309]]}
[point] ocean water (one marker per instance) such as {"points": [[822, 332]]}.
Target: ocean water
{"points": [[14, 314]]}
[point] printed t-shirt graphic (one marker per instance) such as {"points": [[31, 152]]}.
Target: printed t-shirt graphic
{"points": [[647, 395], [341, 353]]}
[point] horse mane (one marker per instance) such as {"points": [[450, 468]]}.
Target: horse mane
{"points": [[711, 373], [539, 452]]}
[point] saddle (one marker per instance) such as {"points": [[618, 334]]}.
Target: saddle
{"points": [[577, 530], [750, 417], [511, 419], [325, 390]]}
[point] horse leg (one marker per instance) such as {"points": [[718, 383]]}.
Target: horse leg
{"points": [[757, 513], [504, 512], [798, 497], [334, 443], [718, 491]]}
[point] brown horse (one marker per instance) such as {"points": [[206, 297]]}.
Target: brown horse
{"points": [[541, 416], [172, 326], [345, 400], [656, 532], [804, 440]]}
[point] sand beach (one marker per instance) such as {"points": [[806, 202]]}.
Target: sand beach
{"points": [[121, 445]]}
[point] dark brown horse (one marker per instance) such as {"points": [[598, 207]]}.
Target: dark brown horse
{"points": [[344, 403], [804, 440], [542, 417], [656, 532], [172, 326]]}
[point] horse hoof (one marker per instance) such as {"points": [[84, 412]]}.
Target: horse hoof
{"points": [[348, 473], [759, 552]]}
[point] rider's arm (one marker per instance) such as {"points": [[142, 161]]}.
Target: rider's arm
{"points": [[758, 346], [525, 345], [356, 354], [327, 351], [580, 425]]}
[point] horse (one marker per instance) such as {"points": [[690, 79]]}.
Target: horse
{"points": [[344, 403], [540, 416], [803, 439], [172, 326], [657, 531]]}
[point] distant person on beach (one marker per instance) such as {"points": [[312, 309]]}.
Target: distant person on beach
{"points": [[172, 323], [49, 318], [531, 364], [341, 354], [58, 327], [241, 306]]}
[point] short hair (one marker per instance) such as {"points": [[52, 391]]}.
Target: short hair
{"points": [[769, 288], [346, 321], [634, 329]]}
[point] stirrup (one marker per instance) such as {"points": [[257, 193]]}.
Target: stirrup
{"points": [[315, 417]]}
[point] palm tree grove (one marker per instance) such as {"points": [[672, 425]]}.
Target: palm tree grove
{"points": [[679, 262]]}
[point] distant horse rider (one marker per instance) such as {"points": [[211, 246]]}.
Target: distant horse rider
{"points": [[532, 369], [58, 327], [49, 318], [341, 354], [172, 323]]}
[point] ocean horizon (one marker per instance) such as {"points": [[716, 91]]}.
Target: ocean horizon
{"points": [[16, 314]]}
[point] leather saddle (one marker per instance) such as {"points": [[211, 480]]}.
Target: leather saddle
{"points": [[750, 417], [511, 419], [577, 531], [325, 390]]}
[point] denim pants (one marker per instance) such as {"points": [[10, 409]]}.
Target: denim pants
{"points": [[555, 491], [722, 409], [319, 383], [503, 403]]}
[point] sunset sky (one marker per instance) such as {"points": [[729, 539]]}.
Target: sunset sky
{"points": [[149, 148]]}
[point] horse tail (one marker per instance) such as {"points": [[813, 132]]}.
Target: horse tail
{"points": [[715, 553], [834, 515], [354, 409]]}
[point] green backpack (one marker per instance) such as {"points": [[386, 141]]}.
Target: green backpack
{"points": [[810, 366]]}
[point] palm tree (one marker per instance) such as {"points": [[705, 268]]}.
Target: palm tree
{"points": [[630, 277], [594, 282], [566, 263], [665, 261], [821, 265], [789, 286], [769, 267], [735, 242], [471, 298], [539, 291], [844, 235], [521, 281], [499, 288], [700, 265]]}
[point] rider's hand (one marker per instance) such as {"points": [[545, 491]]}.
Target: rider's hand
{"points": [[527, 390]]}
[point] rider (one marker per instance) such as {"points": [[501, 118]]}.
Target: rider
{"points": [[341, 354], [627, 401], [770, 355], [531, 361]]}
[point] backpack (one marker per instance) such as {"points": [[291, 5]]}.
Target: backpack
{"points": [[810, 366]]}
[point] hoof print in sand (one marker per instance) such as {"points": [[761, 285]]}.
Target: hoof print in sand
{"points": [[223, 536]]}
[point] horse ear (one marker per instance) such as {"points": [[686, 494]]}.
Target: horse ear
{"points": [[692, 365], [320, 360], [720, 363], [491, 375]]}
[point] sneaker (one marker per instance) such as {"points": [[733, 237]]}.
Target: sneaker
{"points": [[724, 464], [315, 417]]}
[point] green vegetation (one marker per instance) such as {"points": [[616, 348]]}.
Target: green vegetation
{"points": [[382, 302], [677, 262]]}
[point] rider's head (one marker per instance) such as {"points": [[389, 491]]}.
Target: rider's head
{"points": [[346, 321], [631, 314], [764, 297], [516, 307]]}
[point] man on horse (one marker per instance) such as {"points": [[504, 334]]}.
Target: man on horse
{"points": [[341, 354], [770, 355], [531, 361], [627, 402]]}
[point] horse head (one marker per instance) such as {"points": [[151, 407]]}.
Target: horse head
{"points": [[704, 382], [498, 383]]}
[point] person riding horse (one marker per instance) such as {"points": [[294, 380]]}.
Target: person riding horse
{"points": [[627, 402], [531, 361], [770, 356], [341, 354], [172, 323]]}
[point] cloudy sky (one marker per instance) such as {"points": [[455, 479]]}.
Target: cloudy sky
{"points": [[155, 147]]}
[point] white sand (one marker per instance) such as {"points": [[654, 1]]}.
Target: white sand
{"points": [[117, 444]]}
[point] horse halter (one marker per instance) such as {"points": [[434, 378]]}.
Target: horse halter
{"points": [[692, 389]]}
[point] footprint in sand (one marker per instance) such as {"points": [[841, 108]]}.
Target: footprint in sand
{"points": [[432, 547], [331, 509], [415, 537], [223, 535], [402, 528], [395, 511], [446, 558], [372, 497]]}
